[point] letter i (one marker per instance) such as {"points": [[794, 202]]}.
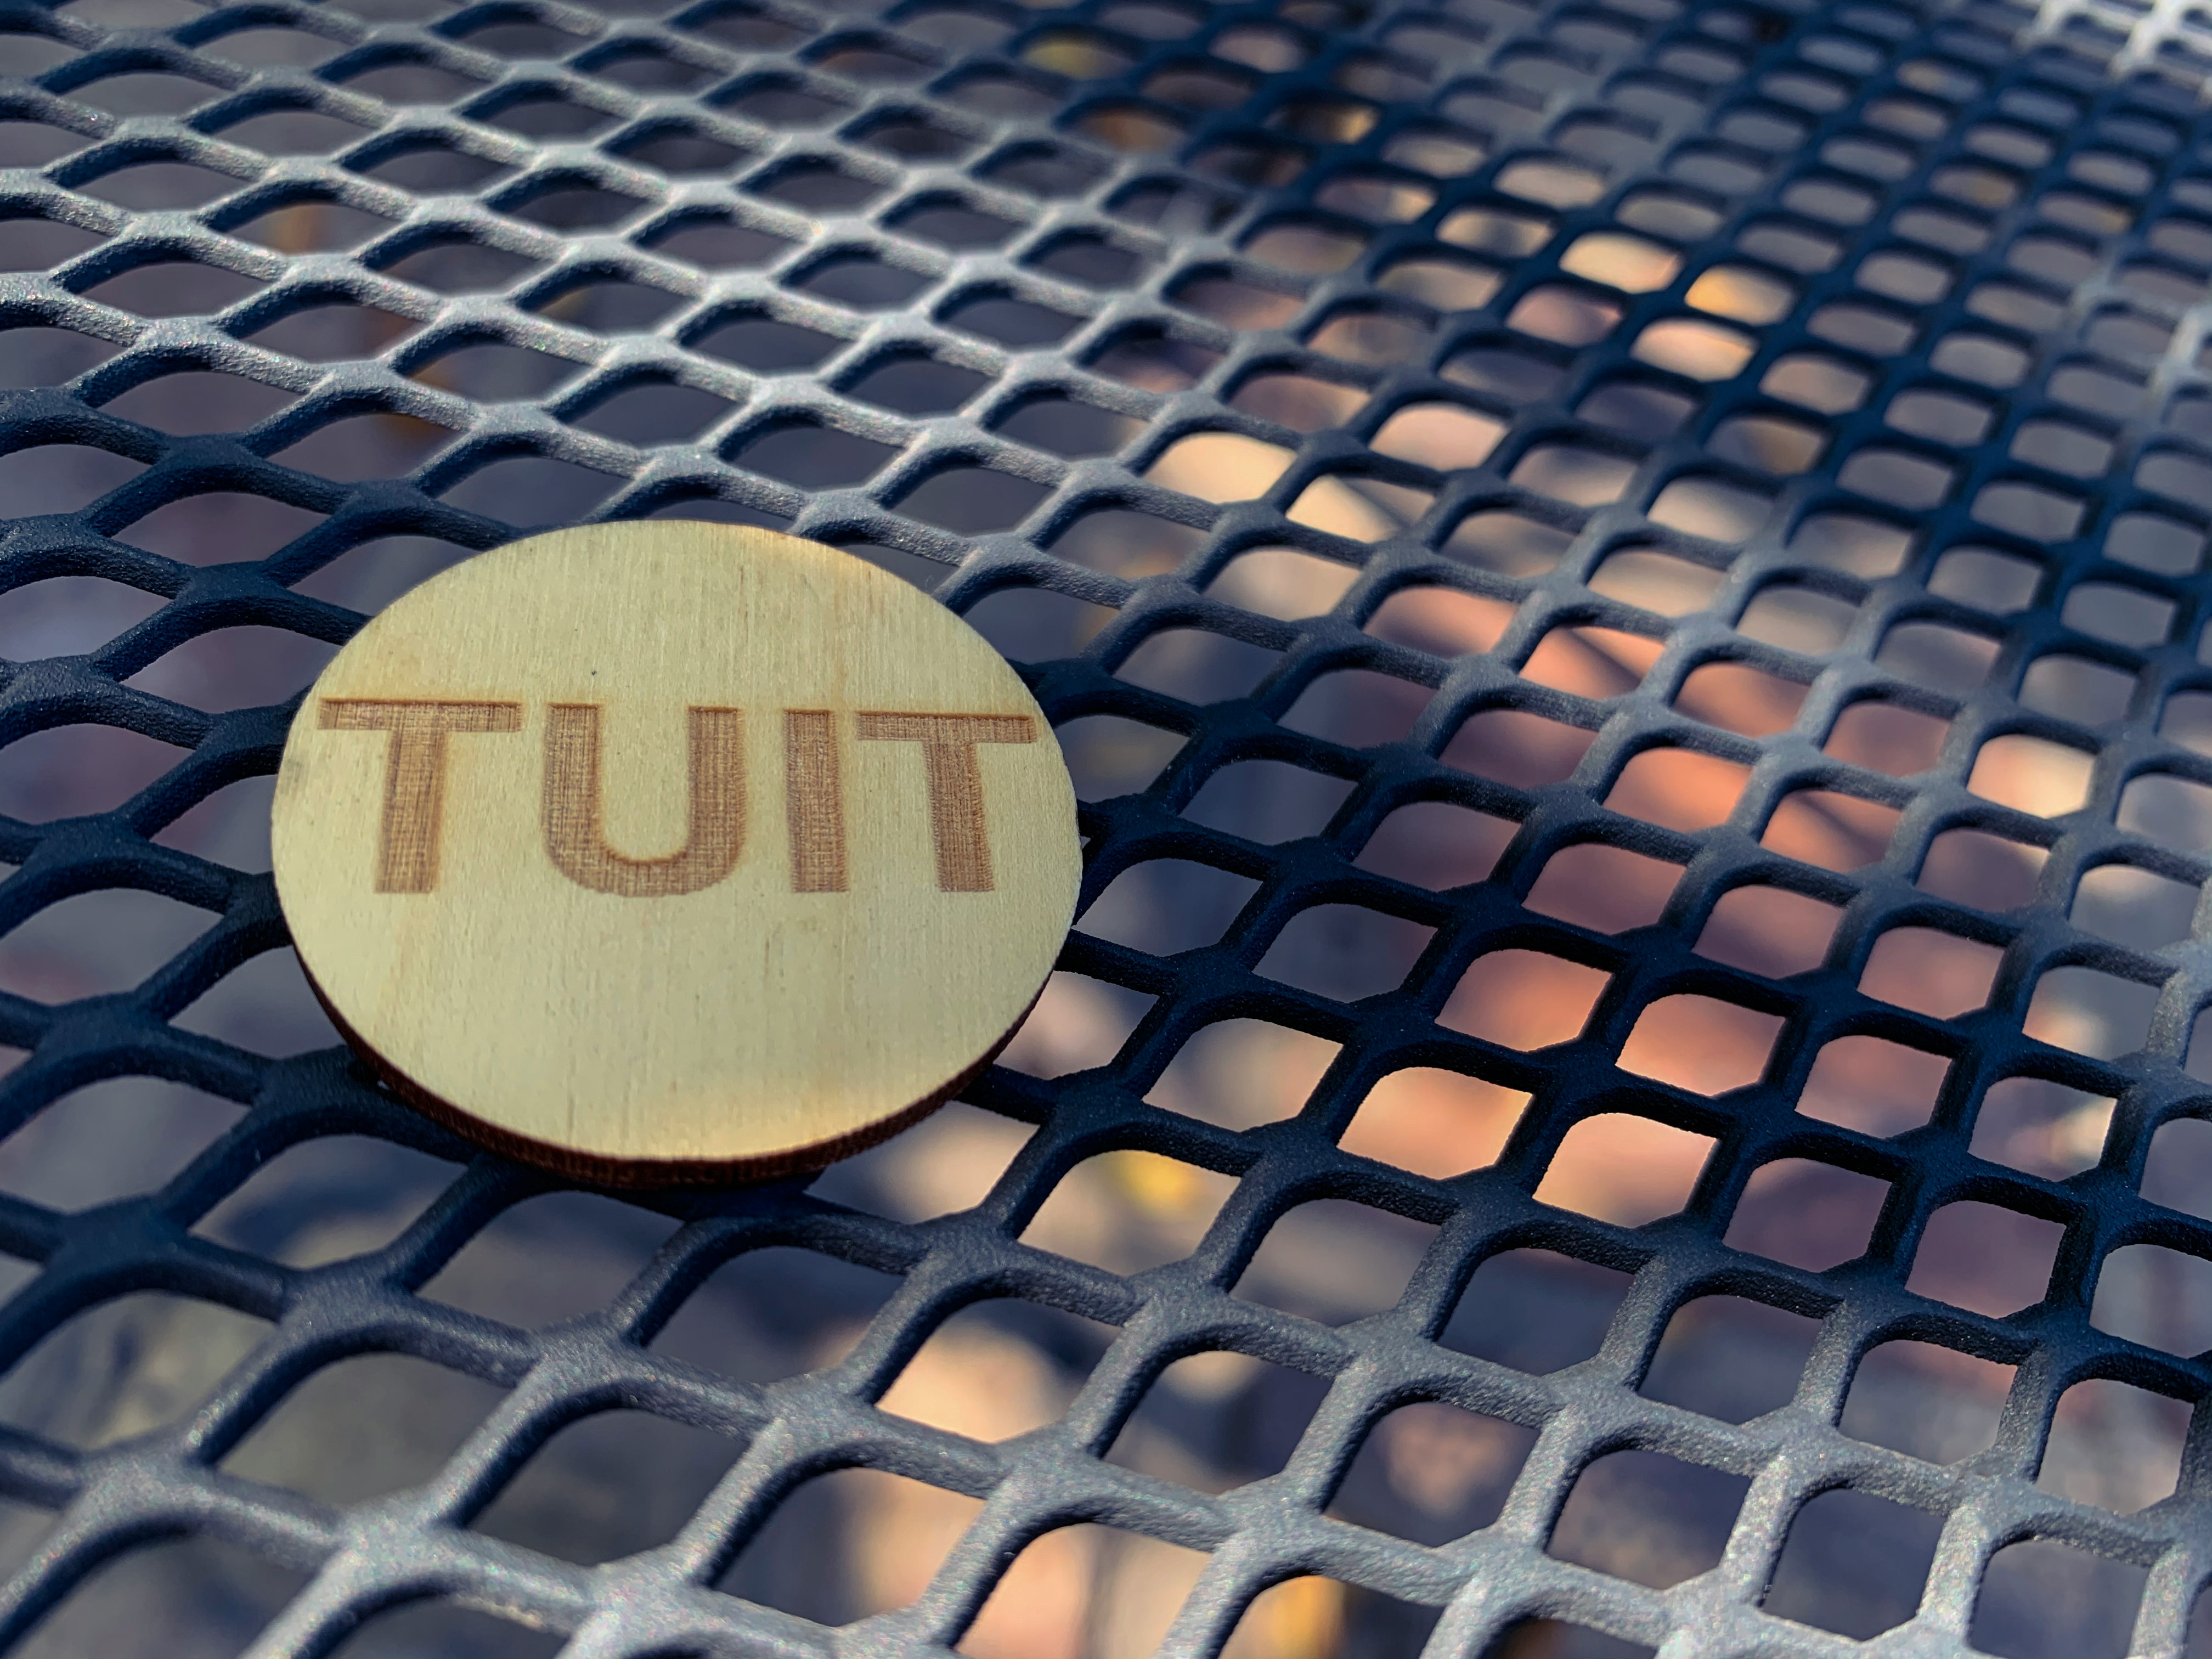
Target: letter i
{"points": [[814, 800]]}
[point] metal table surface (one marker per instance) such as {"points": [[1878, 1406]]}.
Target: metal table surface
{"points": [[1621, 581]]}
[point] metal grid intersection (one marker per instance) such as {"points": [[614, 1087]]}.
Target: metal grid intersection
{"points": [[1888, 190]]}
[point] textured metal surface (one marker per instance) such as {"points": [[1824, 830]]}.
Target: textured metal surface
{"points": [[1936, 216]]}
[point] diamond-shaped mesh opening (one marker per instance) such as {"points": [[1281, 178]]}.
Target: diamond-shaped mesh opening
{"points": [[1621, 584]]}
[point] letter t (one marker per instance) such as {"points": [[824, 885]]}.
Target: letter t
{"points": [[956, 783], [414, 775]]}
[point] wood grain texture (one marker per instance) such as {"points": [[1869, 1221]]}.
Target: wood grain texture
{"points": [[674, 852], [814, 800]]}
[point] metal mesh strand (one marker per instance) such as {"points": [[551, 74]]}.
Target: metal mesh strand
{"points": [[1795, 338]]}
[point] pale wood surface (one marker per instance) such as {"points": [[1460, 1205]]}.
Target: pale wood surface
{"points": [[674, 850]]}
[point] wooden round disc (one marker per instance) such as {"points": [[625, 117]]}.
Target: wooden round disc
{"points": [[674, 852]]}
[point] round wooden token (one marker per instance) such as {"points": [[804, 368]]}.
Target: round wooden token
{"points": [[674, 852]]}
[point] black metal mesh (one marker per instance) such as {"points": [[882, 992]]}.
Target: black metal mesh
{"points": [[1804, 492]]}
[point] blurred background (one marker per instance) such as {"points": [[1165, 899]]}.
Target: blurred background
{"points": [[854, 1543]]}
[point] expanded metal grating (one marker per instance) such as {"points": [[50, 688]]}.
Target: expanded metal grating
{"points": [[1688, 520]]}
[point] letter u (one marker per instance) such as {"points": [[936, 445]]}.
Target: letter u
{"points": [[575, 812]]}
